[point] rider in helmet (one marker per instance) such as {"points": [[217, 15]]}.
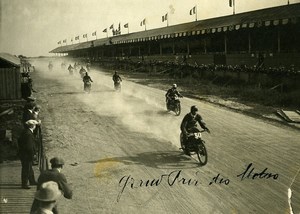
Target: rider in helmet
{"points": [[116, 78], [87, 78], [172, 93], [190, 121], [82, 72]]}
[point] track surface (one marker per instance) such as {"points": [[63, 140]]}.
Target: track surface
{"points": [[130, 135]]}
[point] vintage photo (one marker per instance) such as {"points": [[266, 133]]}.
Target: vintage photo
{"points": [[148, 106]]}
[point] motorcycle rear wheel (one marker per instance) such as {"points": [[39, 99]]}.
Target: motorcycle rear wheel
{"points": [[202, 154]]}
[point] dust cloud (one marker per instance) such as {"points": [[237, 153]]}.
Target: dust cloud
{"points": [[139, 108]]}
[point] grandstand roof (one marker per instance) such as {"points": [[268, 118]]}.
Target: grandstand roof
{"points": [[8, 58], [265, 17]]}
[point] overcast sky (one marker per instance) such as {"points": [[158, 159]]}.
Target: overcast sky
{"points": [[33, 27]]}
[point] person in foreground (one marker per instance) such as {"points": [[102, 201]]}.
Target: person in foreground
{"points": [[26, 152], [47, 197], [55, 175]]}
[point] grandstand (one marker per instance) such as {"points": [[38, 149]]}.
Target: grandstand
{"points": [[270, 35]]}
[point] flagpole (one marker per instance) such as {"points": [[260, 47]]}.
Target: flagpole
{"points": [[128, 28], [167, 19], [233, 2], [196, 12]]}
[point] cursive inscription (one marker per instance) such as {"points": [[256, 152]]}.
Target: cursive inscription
{"points": [[170, 179], [251, 174]]}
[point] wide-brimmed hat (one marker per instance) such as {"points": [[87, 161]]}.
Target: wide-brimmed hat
{"points": [[31, 122], [48, 192], [56, 161]]}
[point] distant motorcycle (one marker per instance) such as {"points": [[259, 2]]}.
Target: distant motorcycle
{"points": [[50, 67], [174, 105], [87, 86], [117, 85], [194, 145]]}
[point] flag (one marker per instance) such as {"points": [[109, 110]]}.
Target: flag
{"points": [[143, 22], [231, 2], [105, 30], [59, 42], [64, 41], [126, 25], [193, 10], [94, 34], [84, 35], [111, 27], [77, 38], [164, 18], [119, 28]]}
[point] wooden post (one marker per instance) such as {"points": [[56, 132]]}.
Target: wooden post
{"points": [[249, 42], [225, 43], [278, 40]]}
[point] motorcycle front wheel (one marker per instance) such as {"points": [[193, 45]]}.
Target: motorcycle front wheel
{"points": [[177, 110], [202, 154]]}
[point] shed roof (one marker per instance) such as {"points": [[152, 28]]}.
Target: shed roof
{"points": [[264, 17], [11, 59]]}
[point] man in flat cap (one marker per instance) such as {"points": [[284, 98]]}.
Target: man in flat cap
{"points": [[26, 153], [54, 174], [47, 197]]}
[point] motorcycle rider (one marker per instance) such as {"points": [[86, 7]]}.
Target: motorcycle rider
{"points": [[189, 122], [86, 79], [171, 94], [82, 71], [70, 68], [116, 78]]}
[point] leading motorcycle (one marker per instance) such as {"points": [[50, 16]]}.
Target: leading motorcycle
{"points": [[194, 145]]}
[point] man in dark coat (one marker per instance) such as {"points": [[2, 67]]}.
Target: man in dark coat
{"points": [[54, 174], [26, 153]]}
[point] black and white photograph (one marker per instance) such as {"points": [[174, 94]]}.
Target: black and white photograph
{"points": [[150, 106]]}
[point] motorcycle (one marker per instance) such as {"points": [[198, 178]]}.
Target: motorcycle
{"points": [[50, 67], [87, 86], [117, 85], [194, 145], [174, 105]]}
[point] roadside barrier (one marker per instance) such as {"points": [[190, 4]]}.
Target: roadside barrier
{"points": [[41, 157]]}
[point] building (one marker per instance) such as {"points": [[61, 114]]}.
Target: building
{"points": [[10, 77], [271, 35]]}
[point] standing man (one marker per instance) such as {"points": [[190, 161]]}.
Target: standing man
{"points": [[26, 151], [55, 175]]}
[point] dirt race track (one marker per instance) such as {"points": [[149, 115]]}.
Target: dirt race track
{"points": [[121, 140]]}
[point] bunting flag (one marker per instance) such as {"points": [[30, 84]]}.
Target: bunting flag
{"points": [[105, 30], [126, 25], [84, 35], [165, 17], [64, 41], [111, 27], [193, 10], [143, 22], [94, 33], [59, 42], [77, 38]]}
